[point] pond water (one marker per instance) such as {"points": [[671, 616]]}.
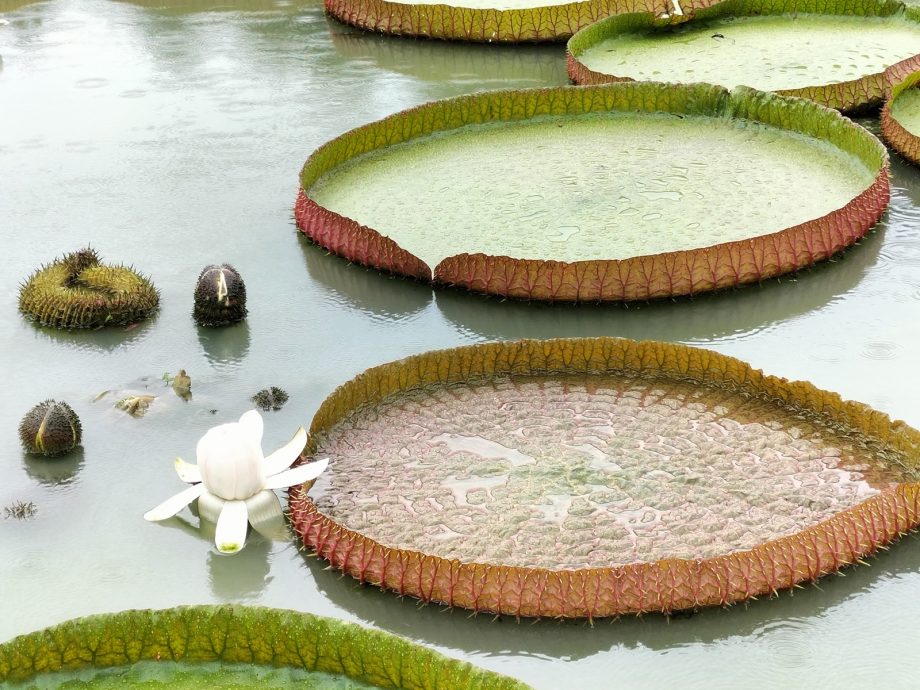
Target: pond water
{"points": [[170, 135]]}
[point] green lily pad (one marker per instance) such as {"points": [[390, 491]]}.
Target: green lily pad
{"points": [[906, 110], [628, 191], [230, 647], [596, 477], [513, 21], [901, 116], [154, 675], [835, 53]]}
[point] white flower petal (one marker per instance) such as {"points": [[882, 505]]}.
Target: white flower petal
{"points": [[174, 504], [231, 527], [285, 456], [209, 506], [251, 422], [298, 475], [231, 466], [187, 472], [266, 516]]}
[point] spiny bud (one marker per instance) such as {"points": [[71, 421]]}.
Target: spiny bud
{"points": [[50, 428], [220, 296], [77, 291]]}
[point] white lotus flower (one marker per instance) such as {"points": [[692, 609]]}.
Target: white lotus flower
{"points": [[234, 482]]}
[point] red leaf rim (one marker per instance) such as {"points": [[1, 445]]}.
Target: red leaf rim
{"points": [[905, 76], [855, 95], [537, 24], [669, 274], [666, 585]]}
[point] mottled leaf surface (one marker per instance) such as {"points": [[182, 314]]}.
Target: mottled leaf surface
{"points": [[666, 585]]}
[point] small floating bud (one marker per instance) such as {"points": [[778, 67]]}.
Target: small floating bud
{"points": [[220, 296], [270, 399], [50, 428]]}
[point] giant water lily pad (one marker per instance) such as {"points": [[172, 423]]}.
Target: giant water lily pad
{"points": [[230, 647], [493, 20], [901, 116], [596, 477], [618, 192], [836, 53]]}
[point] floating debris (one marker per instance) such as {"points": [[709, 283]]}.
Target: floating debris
{"points": [[135, 405], [270, 399], [182, 385], [20, 510]]}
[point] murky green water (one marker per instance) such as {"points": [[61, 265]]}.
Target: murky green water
{"points": [[770, 53], [172, 139], [592, 187]]}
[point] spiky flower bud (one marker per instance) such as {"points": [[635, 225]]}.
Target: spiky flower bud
{"points": [[50, 428], [220, 296]]}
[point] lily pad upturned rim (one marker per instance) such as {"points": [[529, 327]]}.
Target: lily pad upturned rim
{"points": [[537, 24], [856, 95], [683, 272], [901, 140], [666, 585], [241, 634]]}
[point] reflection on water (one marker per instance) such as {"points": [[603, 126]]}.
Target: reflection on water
{"points": [[54, 471], [455, 628], [729, 315], [430, 60], [377, 294], [225, 346], [100, 340], [242, 576]]}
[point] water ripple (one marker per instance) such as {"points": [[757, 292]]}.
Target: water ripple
{"points": [[880, 349]]}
